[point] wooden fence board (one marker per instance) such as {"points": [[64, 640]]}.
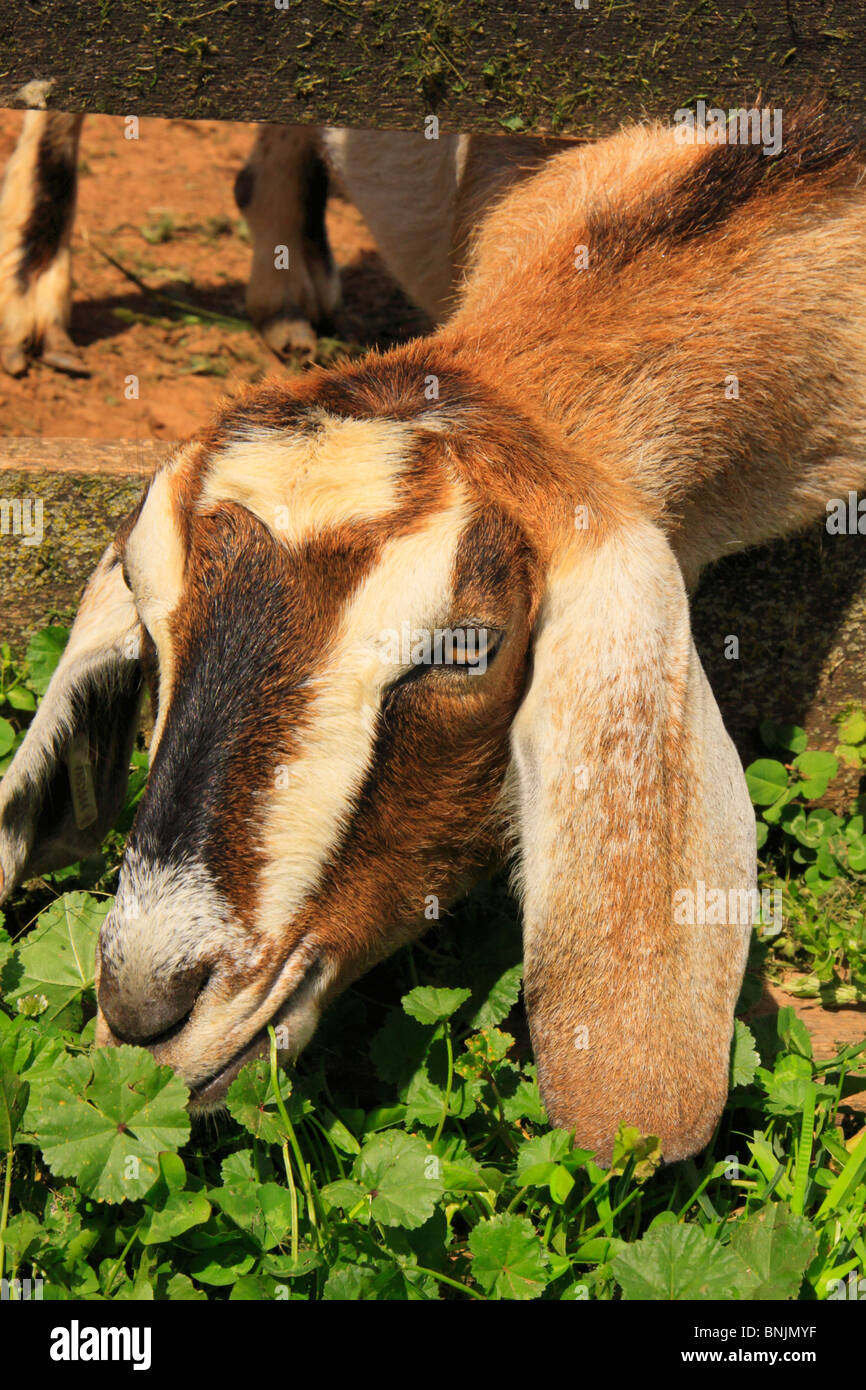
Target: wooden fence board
{"points": [[534, 64]]}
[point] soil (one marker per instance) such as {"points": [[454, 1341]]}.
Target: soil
{"points": [[829, 1029], [163, 207]]}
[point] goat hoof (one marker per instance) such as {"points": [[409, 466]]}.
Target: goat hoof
{"points": [[68, 362], [285, 336], [60, 352], [13, 359]]}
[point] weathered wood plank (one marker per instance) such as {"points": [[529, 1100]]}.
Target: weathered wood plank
{"points": [[534, 64], [107, 457]]}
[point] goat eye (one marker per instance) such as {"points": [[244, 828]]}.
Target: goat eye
{"points": [[463, 651], [468, 649]]}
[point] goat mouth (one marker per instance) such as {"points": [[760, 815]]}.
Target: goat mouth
{"points": [[211, 1092]]}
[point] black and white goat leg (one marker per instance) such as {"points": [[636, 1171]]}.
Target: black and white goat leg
{"points": [[282, 190], [37, 209]]}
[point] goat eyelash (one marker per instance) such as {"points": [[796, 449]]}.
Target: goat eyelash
{"points": [[436, 669]]}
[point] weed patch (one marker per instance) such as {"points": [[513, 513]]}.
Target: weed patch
{"points": [[407, 1155]]}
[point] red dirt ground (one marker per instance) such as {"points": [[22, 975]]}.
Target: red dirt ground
{"points": [[829, 1030], [174, 182]]}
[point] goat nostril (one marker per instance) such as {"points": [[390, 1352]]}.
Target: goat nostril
{"points": [[149, 1011]]}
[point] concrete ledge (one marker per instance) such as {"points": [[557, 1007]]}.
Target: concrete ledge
{"points": [[106, 457], [85, 488], [798, 608], [525, 64]]}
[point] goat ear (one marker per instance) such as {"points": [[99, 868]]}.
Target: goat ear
{"points": [[630, 795], [65, 786]]}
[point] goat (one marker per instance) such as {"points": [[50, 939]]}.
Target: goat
{"points": [[549, 469], [421, 199], [37, 210]]}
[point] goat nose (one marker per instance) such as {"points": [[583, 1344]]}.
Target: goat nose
{"points": [[144, 1012]]}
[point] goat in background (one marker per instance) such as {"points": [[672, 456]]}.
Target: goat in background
{"points": [[421, 199]]}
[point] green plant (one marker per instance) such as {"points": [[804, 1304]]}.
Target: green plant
{"points": [[407, 1156], [442, 1182], [816, 856], [162, 229], [23, 683], [851, 748], [820, 843]]}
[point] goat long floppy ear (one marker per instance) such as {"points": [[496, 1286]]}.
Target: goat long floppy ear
{"points": [[66, 784], [632, 807]]}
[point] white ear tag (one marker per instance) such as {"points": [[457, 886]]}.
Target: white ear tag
{"points": [[80, 765]]}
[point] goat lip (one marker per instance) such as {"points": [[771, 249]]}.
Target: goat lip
{"points": [[211, 1091]]}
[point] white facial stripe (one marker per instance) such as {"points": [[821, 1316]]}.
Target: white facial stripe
{"points": [[413, 583], [166, 917], [301, 484], [155, 560]]}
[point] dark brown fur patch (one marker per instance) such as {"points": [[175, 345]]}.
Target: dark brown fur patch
{"points": [[314, 196], [54, 192], [818, 150]]}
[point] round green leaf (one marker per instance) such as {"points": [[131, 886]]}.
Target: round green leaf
{"points": [[251, 1101], [766, 779], [430, 1005], [59, 954], [817, 770], [546, 1150], [508, 1259], [857, 856], [402, 1178], [7, 737], [675, 1262], [43, 654], [182, 1211], [788, 736], [852, 729], [105, 1118], [775, 1247], [20, 698]]}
